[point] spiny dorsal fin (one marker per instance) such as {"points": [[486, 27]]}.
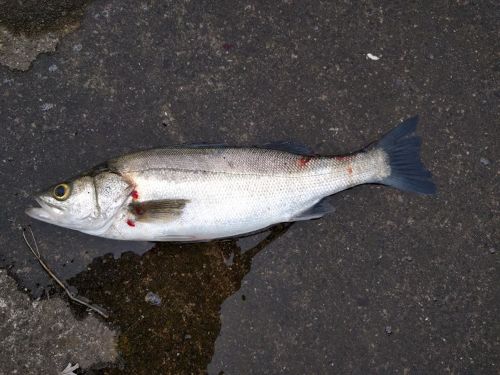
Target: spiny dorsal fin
{"points": [[289, 146], [157, 210]]}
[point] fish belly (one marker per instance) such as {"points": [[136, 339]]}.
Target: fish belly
{"points": [[218, 204]]}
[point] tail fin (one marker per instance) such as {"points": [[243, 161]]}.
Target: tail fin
{"points": [[402, 146]]}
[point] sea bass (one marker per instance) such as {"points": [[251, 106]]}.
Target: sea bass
{"points": [[197, 193]]}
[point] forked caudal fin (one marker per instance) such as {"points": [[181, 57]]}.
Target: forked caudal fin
{"points": [[402, 147]]}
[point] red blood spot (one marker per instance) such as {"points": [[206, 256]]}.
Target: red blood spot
{"points": [[139, 210], [228, 46], [302, 162], [349, 170], [130, 223], [135, 194], [341, 158]]}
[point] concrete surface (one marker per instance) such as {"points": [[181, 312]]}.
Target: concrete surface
{"points": [[43, 337], [393, 282], [17, 51]]}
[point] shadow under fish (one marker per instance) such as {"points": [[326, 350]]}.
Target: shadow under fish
{"points": [[166, 303]]}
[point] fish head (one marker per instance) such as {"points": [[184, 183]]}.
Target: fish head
{"points": [[86, 203]]}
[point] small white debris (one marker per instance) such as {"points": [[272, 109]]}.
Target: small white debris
{"points": [[77, 47], [372, 57], [46, 106], [69, 369], [53, 68]]}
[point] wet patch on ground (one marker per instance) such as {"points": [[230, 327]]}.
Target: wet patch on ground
{"points": [[32, 17], [28, 28], [166, 304]]}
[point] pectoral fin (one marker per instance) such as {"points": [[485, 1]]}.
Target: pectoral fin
{"points": [[158, 210]]}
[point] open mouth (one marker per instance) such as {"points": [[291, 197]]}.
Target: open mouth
{"points": [[46, 211]]}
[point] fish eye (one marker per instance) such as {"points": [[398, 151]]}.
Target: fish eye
{"points": [[61, 192]]}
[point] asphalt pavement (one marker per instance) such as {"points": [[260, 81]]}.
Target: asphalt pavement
{"points": [[392, 282]]}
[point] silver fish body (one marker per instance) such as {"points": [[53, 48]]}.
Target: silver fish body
{"points": [[203, 193]]}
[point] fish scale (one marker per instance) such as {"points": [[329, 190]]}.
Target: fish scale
{"points": [[226, 199]]}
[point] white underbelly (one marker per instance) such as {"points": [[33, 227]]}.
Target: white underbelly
{"points": [[219, 208]]}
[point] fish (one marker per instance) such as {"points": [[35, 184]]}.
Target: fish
{"points": [[205, 192]]}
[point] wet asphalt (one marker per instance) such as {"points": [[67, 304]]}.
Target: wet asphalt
{"points": [[392, 282]]}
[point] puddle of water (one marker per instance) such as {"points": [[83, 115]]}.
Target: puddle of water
{"points": [[176, 330], [34, 16]]}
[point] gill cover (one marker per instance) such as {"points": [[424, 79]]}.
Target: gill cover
{"points": [[87, 203]]}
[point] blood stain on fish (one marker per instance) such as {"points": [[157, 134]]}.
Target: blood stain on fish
{"points": [[130, 223], [303, 161], [135, 195], [139, 210], [342, 158]]}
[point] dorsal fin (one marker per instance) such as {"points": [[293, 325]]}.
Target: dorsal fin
{"points": [[202, 145], [289, 146]]}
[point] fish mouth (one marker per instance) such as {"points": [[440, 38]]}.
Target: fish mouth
{"points": [[46, 212]]}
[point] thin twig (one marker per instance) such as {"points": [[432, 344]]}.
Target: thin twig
{"points": [[73, 297]]}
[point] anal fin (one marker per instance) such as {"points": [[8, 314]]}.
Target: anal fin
{"points": [[317, 211]]}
